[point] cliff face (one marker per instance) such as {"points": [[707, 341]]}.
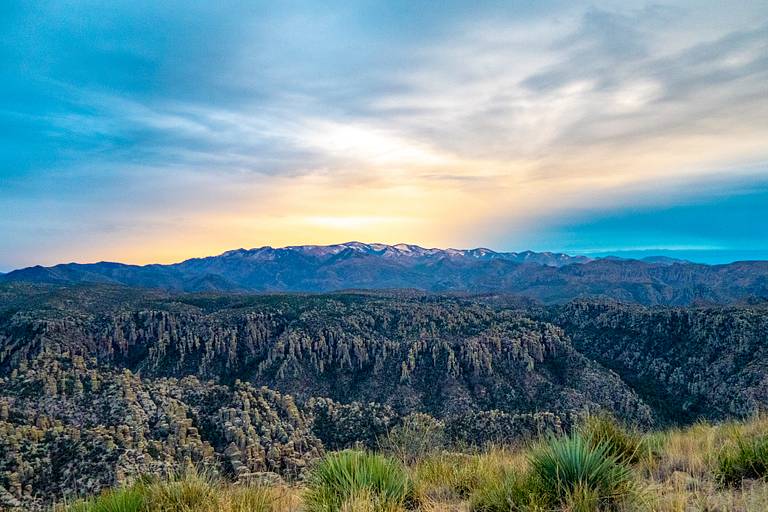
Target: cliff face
{"points": [[685, 362], [435, 355], [101, 384]]}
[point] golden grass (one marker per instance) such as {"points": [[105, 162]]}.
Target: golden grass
{"points": [[681, 476], [451, 477], [191, 492], [678, 474], [260, 499]]}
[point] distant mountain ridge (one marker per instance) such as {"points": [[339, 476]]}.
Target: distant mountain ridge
{"points": [[408, 251], [549, 277]]}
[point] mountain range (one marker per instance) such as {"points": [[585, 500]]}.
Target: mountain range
{"points": [[544, 276]]}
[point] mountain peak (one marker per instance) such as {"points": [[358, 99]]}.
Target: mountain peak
{"points": [[357, 265], [409, 250]]}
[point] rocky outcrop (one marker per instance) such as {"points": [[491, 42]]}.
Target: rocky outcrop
{"points": [[99, 385]]}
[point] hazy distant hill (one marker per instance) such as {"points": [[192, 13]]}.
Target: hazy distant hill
{"points": [[549, 277]]}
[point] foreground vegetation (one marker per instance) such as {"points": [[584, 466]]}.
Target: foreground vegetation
{"points": [[600, 466]]}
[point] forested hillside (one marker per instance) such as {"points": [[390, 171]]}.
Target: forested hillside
{"points": [[99, 383]]}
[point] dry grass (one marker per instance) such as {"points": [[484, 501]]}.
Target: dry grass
{"points": [[678, 473], [448, 479], [260, 499], [190, 492], [682, 476]]}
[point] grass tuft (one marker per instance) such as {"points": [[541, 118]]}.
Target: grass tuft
{"points": [[190, 491], [127, 499], [251, 499], [624, 445], [513, 492], [747, 460], [456, 476]]}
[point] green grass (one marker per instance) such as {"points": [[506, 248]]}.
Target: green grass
{"points": [[747, 460], [252, 499], [127, 499], [570, 473], [191, 491], [455, 476], [515, 491], [345, 476]]}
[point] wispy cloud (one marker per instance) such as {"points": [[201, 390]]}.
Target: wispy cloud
{"points": [[252, 123]]}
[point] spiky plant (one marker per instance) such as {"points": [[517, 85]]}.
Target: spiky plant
{"points": [[347, 475], [571, 466]]}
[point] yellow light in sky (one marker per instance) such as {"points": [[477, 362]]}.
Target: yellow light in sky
{"points": [[352, 221]]}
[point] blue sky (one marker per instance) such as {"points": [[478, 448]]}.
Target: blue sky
{"points": [[155, 131]]}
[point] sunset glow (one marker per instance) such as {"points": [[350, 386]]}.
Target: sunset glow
{"points": [[511, 126]]}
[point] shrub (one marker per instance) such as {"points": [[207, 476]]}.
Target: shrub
{"points": [[348, 475], [748, 459], [603, 429], [572, 468], [418, 436], [127, 499]]}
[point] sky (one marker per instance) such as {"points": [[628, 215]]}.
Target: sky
{"points": [[141, 131]]}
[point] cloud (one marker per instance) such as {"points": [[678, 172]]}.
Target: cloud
{"points": [[295, 122]]}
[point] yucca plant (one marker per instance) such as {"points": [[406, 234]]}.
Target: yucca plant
{"points": [[573, 468], [348, 475], [747, 460]]}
